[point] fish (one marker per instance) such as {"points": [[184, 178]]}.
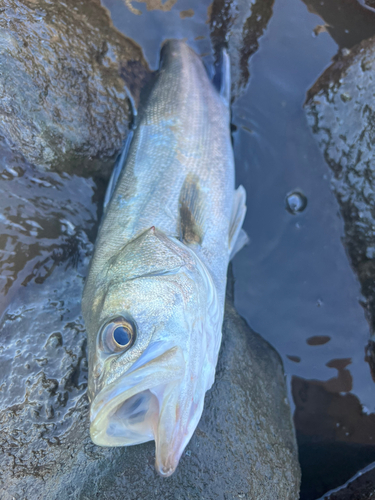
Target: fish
{"points": [[153, 301]]}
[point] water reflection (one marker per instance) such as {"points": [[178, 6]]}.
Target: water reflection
{"points": [[296, 202], [334, 431], [347, 22]]}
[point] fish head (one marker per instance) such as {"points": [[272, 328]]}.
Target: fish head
{"points": [[156, 346]]}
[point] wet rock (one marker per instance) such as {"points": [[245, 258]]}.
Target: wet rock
{"points": [[64, 68], [244, 446], [45, 218], [238, 26], [340, 110]]}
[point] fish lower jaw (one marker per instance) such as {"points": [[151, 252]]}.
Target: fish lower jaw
{"points": [[137, 420], [131, 422]]}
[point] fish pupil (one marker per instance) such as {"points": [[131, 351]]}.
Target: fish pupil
{"points": [[121, 336]]}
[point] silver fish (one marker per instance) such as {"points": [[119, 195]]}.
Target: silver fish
{"points": [[153, 303]]}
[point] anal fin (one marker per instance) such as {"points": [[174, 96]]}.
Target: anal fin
{"points": [[237, 236]]}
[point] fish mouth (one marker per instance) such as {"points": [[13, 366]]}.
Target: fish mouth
{"points": [[142, 405]]}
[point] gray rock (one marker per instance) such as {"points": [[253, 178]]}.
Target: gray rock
{"points": [[63, 102], [341, 112], [244, 446]]}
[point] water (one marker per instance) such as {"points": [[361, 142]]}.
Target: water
{"points": [[294, 283]]}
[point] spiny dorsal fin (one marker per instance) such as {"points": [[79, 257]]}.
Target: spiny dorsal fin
{"points": [[237, 236], [190, 211]]}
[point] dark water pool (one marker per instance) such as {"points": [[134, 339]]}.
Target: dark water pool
{"points": [[294, 283]]}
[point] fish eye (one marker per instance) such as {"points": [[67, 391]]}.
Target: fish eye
{"points": [[121, 336], [118, 335]]}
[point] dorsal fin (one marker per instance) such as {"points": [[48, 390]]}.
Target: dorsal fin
{"points": [[191, 211]]}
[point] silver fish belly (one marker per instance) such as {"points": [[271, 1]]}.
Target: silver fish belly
{"points": [[153, 303]]}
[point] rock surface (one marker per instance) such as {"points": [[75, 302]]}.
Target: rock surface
{"points": [[63, 102], [341, 112], [244, 446]]}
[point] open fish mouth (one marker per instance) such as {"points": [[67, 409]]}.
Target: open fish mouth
{"points": [[141, 405]]}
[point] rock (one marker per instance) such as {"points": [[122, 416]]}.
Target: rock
{"points": [[341, 112], [238, 26], [45, 218], [244, 446], [64, 67]]}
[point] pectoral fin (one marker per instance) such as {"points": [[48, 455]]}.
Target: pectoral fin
{"points": [[190, 211], [237, 236]]}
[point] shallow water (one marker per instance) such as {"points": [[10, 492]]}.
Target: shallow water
{"points": [[294, 283]]}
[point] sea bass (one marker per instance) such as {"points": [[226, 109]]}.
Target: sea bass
{"points": [[153, 302]]}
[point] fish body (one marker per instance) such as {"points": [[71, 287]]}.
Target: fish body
{"points": [[153, 303]]}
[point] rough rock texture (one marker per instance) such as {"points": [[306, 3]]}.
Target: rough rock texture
{"points": [[341, 112], [244, 446], [238, 26], [63, 101]]}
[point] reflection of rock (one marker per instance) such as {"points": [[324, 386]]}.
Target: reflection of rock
{"points": [[346, 21], [244, 446], [60, 84], [239, 24], [341, 111], [333, 432]]}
